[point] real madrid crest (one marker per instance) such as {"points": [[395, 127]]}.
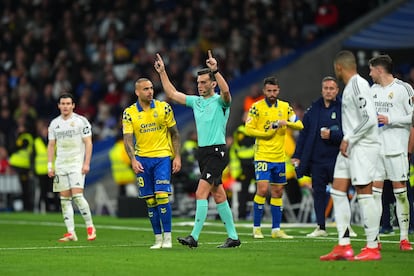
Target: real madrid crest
{"points": [[333, 115]]}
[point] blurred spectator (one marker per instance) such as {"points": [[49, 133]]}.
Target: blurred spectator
{"points": [[5, 61], [105, 123], [39, 63], [76, 44], [122, 173], [25, 111], [86, 107], [7, 127], [48, 201], [327, 16], [4, 161], [24, 90], [254, 95], [20, 160], [241, 167], [110, 21], [46, 104], [186, 180], [88, 82], [61, 82]]}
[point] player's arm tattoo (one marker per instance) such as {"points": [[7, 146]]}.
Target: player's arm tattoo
{"points": [[176, 140], [129, 145]]}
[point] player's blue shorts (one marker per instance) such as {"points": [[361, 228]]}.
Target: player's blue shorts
{"points": [[156, 176], [274, 172]]}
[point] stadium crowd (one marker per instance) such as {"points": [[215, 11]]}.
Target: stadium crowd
{"points": [[97, 49]]}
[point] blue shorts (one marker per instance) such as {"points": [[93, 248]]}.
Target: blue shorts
{"points": [[274, 172], [156, 176]]}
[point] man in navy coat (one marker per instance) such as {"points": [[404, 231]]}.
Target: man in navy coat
{"points": [[318, 146]]}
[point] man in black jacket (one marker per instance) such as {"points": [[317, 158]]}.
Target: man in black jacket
{"points": [[318, 146]]}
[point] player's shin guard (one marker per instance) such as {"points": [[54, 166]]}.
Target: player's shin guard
{"points": [[342, 212], [153, 215], [84, 209], [276, 209], [371, 220], [164, 210], [258, 209], [227, 217], [403, 211], [67, 212]]}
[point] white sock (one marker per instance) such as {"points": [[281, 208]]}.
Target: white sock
{"points": [[403, 211], [67, 212], [167, 235], [84, 209], [370, 216], [158, 238], [377, 193], [342, 212]]}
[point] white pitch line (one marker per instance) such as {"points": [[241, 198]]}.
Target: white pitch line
{"points": [[73, 245]]}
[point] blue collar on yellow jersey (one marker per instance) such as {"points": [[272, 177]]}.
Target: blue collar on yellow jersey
{"points": [[270, 105], [139, 107]]}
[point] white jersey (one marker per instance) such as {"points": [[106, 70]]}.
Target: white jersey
{"points": [[70, 149], [394, 101], [359, 120]]}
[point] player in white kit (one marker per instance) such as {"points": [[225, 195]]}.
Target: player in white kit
{"points": [[69, 156], [356, 162], [394, 104]]}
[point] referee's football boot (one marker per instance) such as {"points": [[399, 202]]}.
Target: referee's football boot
{"points": [[230, 243], [188, 241]]}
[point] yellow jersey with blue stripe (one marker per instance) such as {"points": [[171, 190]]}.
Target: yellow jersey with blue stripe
{"points": [[150, 128], [268, 147]]}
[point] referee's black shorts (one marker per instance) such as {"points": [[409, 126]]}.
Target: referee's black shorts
{"points": [[212, 161]]}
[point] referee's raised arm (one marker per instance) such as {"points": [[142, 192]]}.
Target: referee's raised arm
{"points": [[221, 82]]}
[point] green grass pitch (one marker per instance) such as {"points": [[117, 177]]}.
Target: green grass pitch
{"points": [[28, 246]]}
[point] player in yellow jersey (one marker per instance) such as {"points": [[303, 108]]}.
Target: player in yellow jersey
{"points": [[152, 125], [267, 121]]}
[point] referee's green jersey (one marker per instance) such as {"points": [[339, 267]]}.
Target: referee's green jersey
{"points": [[211, 116]]}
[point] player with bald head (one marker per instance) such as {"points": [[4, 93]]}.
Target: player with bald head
{"points": [[355, 163]]}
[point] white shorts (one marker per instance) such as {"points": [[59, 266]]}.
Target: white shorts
{"points": [[360, 165], [65, 182], [392, 167]]}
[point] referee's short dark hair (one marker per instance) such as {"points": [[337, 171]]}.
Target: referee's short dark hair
{"points": [[207, 71]]}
